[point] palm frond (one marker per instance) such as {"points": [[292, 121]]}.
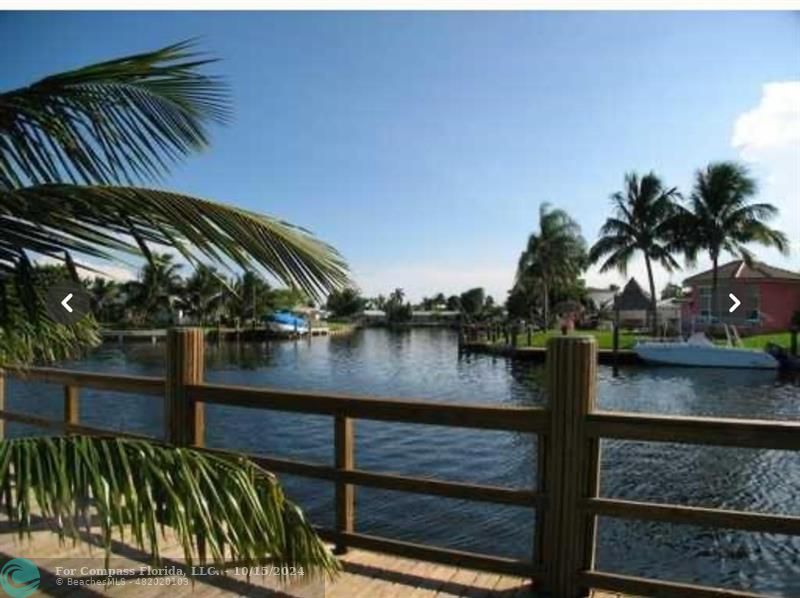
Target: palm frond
{"points": [[236, 507], [722, 218], [111, 122], [26, 332], [101, 219]]}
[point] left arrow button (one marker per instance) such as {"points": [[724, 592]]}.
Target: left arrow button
{"points": [[67, 302]]}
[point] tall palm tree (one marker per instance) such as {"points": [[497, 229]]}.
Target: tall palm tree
{"points": [[73, 144], [554, 256], [72, 148], [721, 218], [643, 221]]}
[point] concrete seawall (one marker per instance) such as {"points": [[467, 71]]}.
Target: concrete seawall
{"points": [[539, 354]]}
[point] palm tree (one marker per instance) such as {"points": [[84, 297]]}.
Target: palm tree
{"points": [[158, 289], [205, 294], [249, 298], [720, 218], [397, 296], [103, 292], [554, 256], [73, 144], [72, 147], [643, 221]]}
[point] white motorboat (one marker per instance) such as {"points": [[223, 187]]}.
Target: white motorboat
{"points": [[698, 351]]}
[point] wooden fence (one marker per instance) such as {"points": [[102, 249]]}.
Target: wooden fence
{"points": [[565, 504]]}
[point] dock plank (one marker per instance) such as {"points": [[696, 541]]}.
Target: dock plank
{"points": [[366, 574]]}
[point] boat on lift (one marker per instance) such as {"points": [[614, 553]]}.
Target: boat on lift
{"points": [[285, 322]]}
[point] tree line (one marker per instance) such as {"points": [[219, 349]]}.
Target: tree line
{"points": [[474, 303], [160, 295]]}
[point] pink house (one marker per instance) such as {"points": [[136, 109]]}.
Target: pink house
{"points": [[769, 297]]}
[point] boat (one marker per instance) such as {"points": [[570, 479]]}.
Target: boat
{"points": [[285, 322], [699, 351]]}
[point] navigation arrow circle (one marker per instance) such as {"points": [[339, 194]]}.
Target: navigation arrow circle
{"points": [[67, 302]]}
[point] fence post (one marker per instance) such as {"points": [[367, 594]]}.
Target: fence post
{"points": [[345, 493], [71, 405], [572, 471], [2, 403], [184, 419]]}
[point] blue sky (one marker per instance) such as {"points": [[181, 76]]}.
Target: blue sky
{"points": [[421, 144]]}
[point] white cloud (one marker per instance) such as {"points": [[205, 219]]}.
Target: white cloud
{"points": [[768, 138], [773, 124]]}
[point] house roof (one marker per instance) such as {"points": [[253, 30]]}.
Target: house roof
{"points": [[601, 297], [632, 297], [739, 270]]}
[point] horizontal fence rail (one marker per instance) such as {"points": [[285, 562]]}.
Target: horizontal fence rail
{"points": [[518, 419], [566, 501], [732, 432], [144, 385]]}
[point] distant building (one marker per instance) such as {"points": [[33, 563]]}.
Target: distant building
{"points": [[601, 299], [634, 309], [769, 296], [633, 304]]}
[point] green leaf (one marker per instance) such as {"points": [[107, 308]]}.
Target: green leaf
{"points": [[235, 506]]}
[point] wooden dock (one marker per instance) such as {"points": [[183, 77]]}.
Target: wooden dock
{"points": [[155, 335], [365, 574]]}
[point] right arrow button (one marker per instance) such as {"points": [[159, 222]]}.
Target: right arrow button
{"points": [[736, 302]]}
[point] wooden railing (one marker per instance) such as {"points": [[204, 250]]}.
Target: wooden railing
{"points": [[566, 502]]}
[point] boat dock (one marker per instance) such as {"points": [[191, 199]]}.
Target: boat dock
{"points": [[156, 335]]}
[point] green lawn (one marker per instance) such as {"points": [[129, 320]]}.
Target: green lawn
{"points": [[759, 340], [335, 326], [627, 339]]}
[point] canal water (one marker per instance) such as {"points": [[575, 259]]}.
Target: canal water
{"points": [[424, 364]]}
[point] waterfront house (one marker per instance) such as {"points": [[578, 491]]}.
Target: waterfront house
{"points": [[769, 297]]}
